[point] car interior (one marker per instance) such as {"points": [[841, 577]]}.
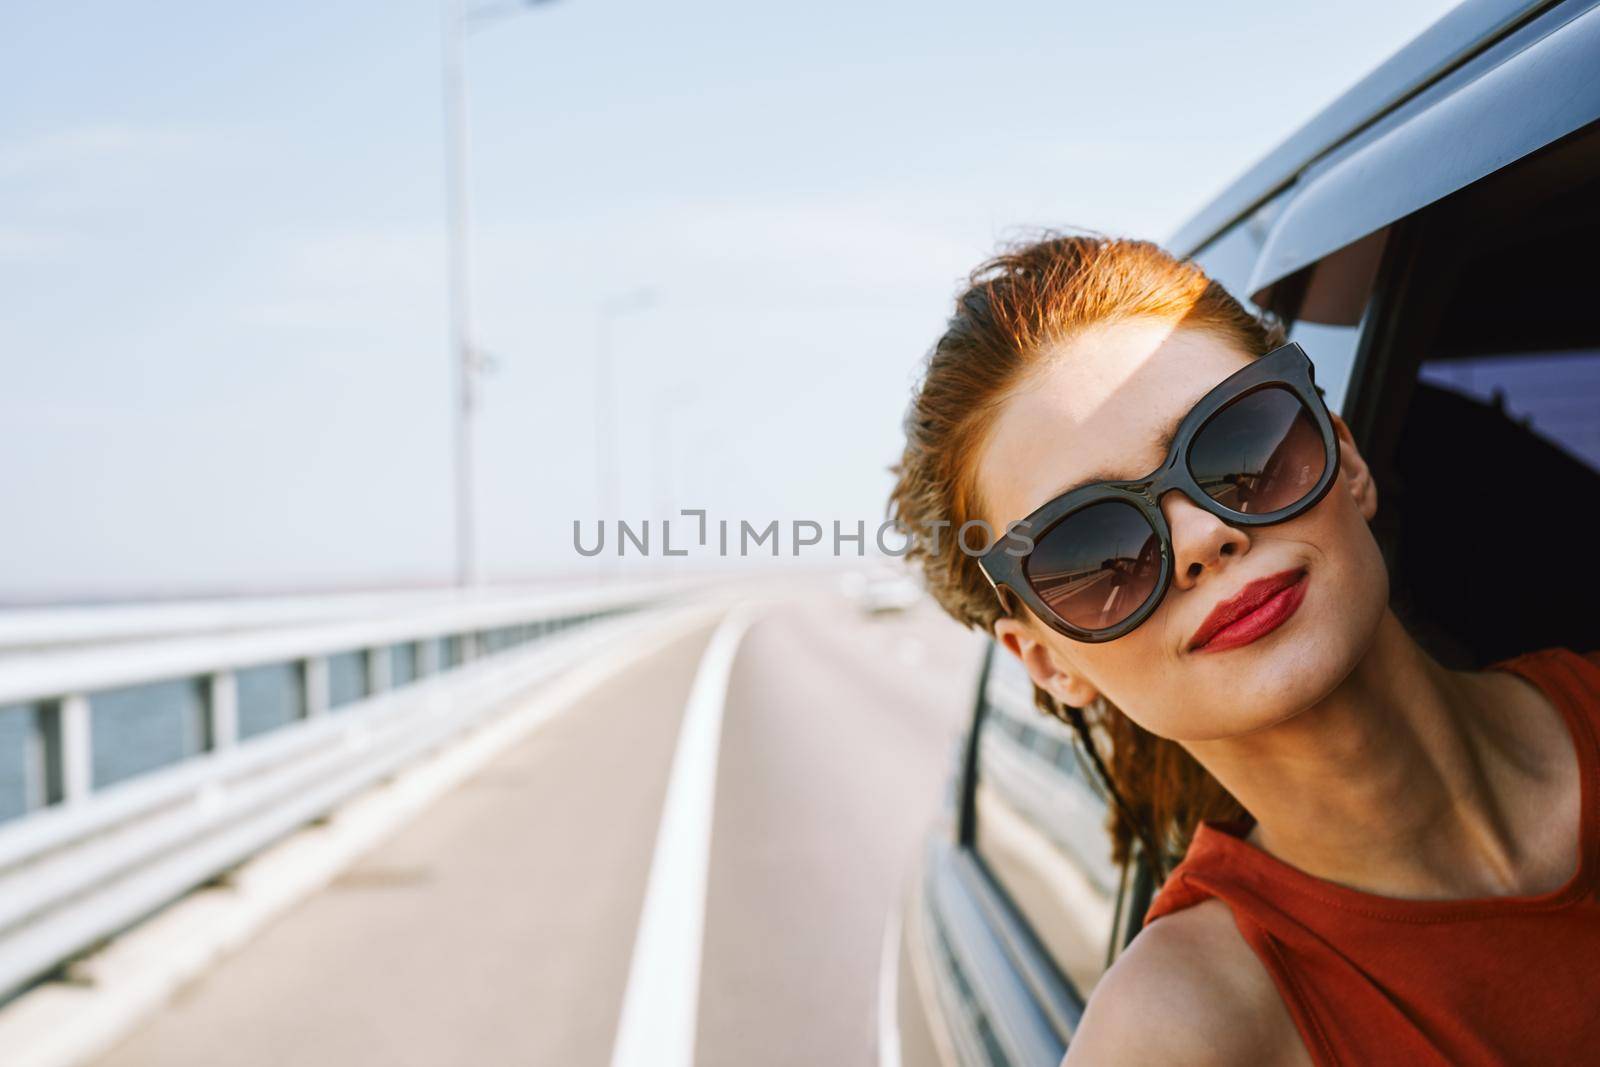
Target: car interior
{"points": [[1489, 465]]}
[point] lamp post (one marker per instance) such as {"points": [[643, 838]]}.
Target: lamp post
{"points": [[467, 362], [611, 309], [669, 402]]}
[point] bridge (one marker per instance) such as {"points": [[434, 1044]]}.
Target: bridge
{"points": [[658, 822]]}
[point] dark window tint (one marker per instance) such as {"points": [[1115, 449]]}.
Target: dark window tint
{"points": [[1554, 395], [1488, 459]]}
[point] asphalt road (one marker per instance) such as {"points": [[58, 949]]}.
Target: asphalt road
{"points": [[497, 928]]}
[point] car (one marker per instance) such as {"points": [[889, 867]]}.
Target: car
{"points": [[1430, 239]]}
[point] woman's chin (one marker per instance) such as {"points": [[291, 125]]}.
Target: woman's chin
{"points": [[1262, 684]]}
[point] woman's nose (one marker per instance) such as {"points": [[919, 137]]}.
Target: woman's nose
{"points": [[1200, 540]]}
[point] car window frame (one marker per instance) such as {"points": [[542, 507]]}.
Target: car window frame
{"points": [[1134, 883]]}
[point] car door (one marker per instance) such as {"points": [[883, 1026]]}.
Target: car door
{"points": [[1024, 907]]}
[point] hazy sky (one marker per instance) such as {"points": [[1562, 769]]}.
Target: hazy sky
{"points": [[225, 361]]}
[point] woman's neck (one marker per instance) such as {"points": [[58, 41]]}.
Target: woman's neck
{"points": [[1390, 784]]}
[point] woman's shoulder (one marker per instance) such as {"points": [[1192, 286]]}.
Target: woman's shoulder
{"points": [[1194, 971], [1551, 661], [1558, 678]]}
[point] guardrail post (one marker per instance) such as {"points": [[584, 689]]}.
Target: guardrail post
{"points": [[223, 711], [380, 670], [76, 751], [41, 769], [316, 686]]}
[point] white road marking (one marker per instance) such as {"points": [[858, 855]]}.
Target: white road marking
{"points": [[60, 1024], [889, 993], [661, 1005]]}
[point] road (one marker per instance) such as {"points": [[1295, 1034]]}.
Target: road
{"points": [[498, 926]]}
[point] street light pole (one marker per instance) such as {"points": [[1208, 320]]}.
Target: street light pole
{"points": [[663, 423], [463, 401], [606, 491], [464, 356]]}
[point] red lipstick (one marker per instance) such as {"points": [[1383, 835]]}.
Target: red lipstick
{"points": [[1257, 610]]}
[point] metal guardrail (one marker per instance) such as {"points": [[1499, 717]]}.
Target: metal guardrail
{"points": [[30, 629], [88, 859]]}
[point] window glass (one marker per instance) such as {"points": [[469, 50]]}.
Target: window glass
{"points": [[1332, 313], [142, 727], [1041, 825], [1554, 395], [1230, 257], [1498, 441], [1507, 448], [1329, 318]]}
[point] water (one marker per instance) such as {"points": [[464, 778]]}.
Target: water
{"points": [[138, 729], [20, 787], [142, 727]]}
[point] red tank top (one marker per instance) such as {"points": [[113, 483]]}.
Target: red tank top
{"points": [[1374, 980]]}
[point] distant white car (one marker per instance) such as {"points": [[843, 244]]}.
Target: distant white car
{"points": [[882, 595]]}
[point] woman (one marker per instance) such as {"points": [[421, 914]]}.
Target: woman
{"points": [[1384, 860]]}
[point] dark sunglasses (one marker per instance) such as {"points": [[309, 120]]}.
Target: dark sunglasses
{"points": [[1096, 561]]}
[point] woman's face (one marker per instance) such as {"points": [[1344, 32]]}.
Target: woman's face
{"points": [[1101, 403]]}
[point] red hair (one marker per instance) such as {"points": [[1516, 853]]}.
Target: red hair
{"points": [[1022, 302]]}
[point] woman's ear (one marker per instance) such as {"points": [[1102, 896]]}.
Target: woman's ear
{"points": [[1066, 685], [1354, 471]]}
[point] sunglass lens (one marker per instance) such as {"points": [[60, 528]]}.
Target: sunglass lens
{"points": [[1261, 453], [1097, 566]]}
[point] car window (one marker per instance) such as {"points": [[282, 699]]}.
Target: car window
{"points": [[1328, 300], [1041, 825], [1554, 396], [1485, 428], [1332, 312], [1515, 439], [1231, 256]]}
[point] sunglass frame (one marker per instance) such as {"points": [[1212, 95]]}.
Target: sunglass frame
{"points": [[1004, 566]]}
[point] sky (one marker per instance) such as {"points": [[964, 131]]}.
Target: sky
{"points": [[224, 356]]}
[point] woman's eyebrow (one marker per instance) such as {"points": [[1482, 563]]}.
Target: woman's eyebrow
{"points": [[1163, 439]]}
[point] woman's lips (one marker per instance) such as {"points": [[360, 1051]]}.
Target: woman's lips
{"points": [[1260, 608]]}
